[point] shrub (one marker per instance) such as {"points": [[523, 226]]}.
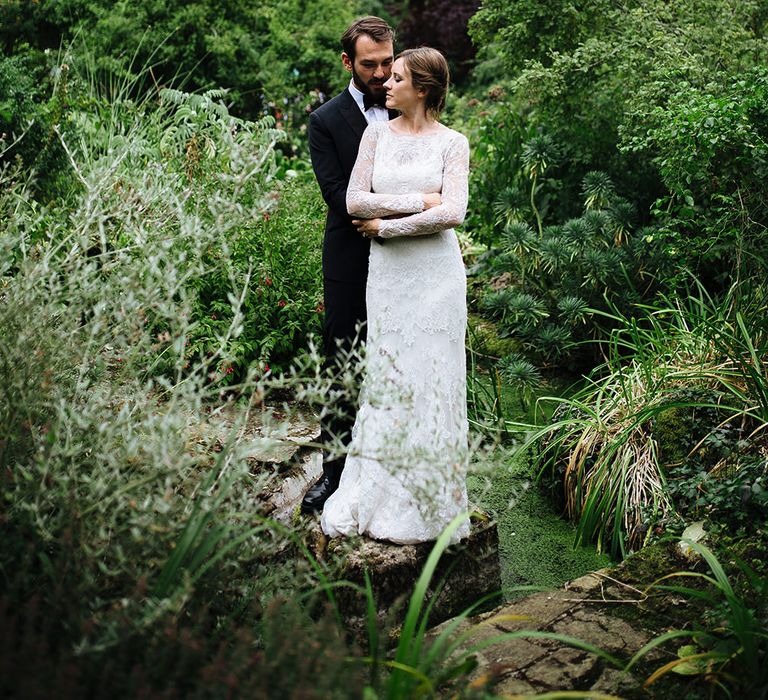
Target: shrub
{"points": [[556, 279], [36, 97], [604, 441]]}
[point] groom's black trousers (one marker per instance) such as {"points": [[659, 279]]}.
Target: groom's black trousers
{"points": [[343, 333]]}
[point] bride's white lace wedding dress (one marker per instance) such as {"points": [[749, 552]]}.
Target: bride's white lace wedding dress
{"points": [[404, 476]]}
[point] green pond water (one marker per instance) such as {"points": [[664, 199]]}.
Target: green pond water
{"points": [[536, 543]]}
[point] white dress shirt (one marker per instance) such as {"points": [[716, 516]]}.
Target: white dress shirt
{"points": [[374, 114]]}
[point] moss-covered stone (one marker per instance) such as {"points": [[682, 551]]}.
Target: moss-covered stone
{"points": [[679, 428], [486, 341]]}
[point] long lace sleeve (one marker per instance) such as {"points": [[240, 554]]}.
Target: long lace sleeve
{"points": [[361, 201], [454, 196]]}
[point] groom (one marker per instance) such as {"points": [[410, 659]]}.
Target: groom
{"points": [[335, 130]]}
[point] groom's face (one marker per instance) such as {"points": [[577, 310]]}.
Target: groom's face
{"points": [[372, 64]]}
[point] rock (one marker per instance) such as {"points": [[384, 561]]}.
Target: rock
{"points": [[508, 664], [466, 572], [275, 434], [290, 488], [566, 667], [611, 634]]}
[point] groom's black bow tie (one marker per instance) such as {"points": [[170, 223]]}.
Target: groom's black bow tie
{"points": [[374, 101]]}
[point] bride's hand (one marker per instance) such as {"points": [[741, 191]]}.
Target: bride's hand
{"points": [[432, 199], [368, 228]]}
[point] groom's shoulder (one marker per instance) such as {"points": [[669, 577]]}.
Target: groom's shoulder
{"points": [[333, 105]]}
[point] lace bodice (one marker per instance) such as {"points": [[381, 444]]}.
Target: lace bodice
{"points": [[394, 170]]}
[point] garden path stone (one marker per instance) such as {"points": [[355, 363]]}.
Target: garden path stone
{"points": [[526, 665], [467, 572], [281, 438], [277, 432], [289, 490]]}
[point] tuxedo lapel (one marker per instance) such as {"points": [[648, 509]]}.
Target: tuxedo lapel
{"points": [[352, 115]]}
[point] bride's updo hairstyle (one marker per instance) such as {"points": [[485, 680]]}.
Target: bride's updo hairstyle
{"points": [[429, 72]]}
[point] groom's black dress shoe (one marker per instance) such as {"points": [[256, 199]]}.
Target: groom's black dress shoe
{"points": [[315, 498]]}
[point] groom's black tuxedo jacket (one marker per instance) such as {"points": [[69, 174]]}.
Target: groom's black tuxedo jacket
{"points": [[335, 130]]}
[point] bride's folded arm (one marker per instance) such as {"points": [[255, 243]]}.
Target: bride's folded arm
{"points": [[453, 208], [364, 204]]}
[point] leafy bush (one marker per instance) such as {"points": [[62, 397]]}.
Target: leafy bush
{"points": [[557, 276], [711, 147], [276, 258], [277, 58], [135, 545], [666, 99], [733, 497], [36, 96]]}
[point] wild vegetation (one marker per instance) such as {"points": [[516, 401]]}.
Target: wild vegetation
{"points": [[160, 263]]}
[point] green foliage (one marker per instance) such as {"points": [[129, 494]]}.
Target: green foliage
{"points": [[665, 99], [497, 185], [276, 57], [711, 147], [521, 375], [556, 279], [172, 173], [535, 542], [35, 96], [529, 31], [729, 650], [603, 443], [278, 257], [733, 497], [279, 648]]}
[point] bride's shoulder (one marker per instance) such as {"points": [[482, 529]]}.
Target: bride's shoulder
{"points": [[452, 138], [452, 134], [378, 127]]}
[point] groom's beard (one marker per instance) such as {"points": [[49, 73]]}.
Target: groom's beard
{"points": [[374, 87]]}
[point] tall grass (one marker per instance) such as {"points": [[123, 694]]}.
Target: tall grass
{"points": [[730, 649], [603, 439]]}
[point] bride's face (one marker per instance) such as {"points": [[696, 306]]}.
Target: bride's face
{"points": [[401, 94]]}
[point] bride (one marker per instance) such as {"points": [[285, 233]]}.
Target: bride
{"points": [[405, 472]]}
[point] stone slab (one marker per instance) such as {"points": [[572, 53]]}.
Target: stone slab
{"points": [[529, 665], [276, 432], [466, 572], [286, 498]]}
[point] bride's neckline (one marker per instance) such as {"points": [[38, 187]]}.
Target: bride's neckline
{"points": [[432, 132]]}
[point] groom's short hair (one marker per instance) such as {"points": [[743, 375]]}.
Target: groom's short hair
{"points": [[374, 27]]}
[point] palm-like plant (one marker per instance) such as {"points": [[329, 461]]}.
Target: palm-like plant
{"points": [[538, 154], [597, 190], [520, 240], [598, 221], [573, 309], [555, 251], [577, 232], [497, 302], [622, 216], [504, 207], [522, 375], [524, 310], [550, 340], [596, 267]]}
